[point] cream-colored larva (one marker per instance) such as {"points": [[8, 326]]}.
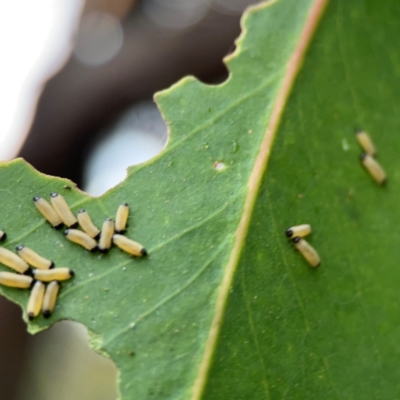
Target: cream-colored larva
{"points": [[107, 232], [50, 298], [3, 236], [129, 246], [35, 300], [55, 274], [374, 168], [298, 230], [87, 225], [33, 258], [307, 251], [366, 142], [15, 280], [81, 238], [48, 212], [12, 261], [62, 209], [122, 218]]}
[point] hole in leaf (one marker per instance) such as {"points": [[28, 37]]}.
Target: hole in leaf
{"points": [[62, 366], [137, 136]]}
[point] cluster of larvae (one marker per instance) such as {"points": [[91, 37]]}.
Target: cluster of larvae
{"points": [[58, 213], [43, 278], [297, 233], [368, 158]]}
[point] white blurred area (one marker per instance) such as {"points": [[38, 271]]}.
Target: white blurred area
{"points": [[176, 14], [99, 39], [181, 14], [35, 41], [137, 136]]}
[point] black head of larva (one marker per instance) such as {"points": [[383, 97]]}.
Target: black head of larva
{"points": [[36, 198], [66, 232], [67, 187], [59, 226], [363, 155], [296, 239], [358, 131], [4, 237], [109, 219], [19, 247], [71, 273], [32, 284], [74, 225], [52, 265], [95, 248], [46, 313], [125, 204], [289, 233], [103, 251], [82, 210], [53, 194], [143, 252], [29, 272], [31, 316]]}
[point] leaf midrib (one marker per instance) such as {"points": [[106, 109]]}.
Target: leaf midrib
{"points": [[292, 69]]}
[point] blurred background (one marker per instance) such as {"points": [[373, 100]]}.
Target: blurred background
{"points": [[77, 81]]}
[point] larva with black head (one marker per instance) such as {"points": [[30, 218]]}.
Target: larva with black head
{"points": [[81, 238], [121, 218], [63, 210], [13, 280], [365, 142], [33, 259], [48, 212], [35, 300], [13, 261], [374, 169], [55, 274], [106, 235], [298, 230], [307, 251], [87, 225], [129, 246], [50, 298]]}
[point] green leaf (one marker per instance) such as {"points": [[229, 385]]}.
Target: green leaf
{"points": [[224, 308]]}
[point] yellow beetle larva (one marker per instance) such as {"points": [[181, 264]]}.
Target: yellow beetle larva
{"points": [[48, 212], [62, 209], [307, 251], [81, 238], [33, 258], [50, 298], [121, 218], [87, 225], [15, 280], [129, 246], [11, 260], [366, 142], [107, 232], [374, 168], [3, 236], [55, 274], [299, 230], [35, 300]]}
